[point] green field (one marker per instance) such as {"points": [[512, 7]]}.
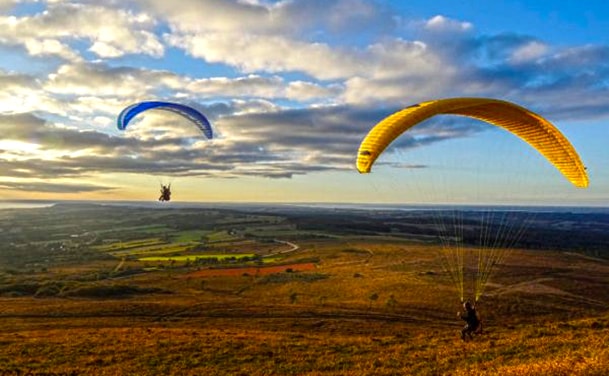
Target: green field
{"points": [[192, 257], [154, 250], [221, 236], [119, 246], [189, 236]]}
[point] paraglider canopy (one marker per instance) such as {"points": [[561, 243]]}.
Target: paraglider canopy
{"points": [[188, 112], [527, 125]]}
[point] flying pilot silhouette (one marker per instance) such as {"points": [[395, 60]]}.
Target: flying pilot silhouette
{"points": [[165, 192]]}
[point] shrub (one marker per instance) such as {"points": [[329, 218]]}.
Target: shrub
{"points": [[291, 277], [19, 289], [111, 291]]}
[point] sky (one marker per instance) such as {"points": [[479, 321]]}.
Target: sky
{"points": [[291, 88]]}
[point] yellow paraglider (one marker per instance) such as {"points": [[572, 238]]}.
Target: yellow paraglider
{"points": [[530, 127], [499, 230]]}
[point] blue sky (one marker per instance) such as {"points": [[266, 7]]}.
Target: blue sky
{"points": [[291, 88]]}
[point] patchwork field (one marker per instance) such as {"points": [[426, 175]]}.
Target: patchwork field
{"points": [[329, 302]]}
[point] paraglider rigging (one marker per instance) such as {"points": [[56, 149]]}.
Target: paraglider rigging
{"points": [[497, 233]]}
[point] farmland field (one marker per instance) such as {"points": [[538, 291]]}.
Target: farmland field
{"points": [[194, 257], [330, 292]]}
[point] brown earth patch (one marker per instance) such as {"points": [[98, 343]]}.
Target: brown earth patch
{"points": [[531, 287], [262, 270]]}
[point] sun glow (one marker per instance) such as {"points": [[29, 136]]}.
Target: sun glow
{"points": [[18, 148]]}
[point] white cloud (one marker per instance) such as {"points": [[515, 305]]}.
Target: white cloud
{"points": [[23, 93], [41, 47], [255, 86], [85, 78], [271, 18], [262, 53], [7, 4], [241, 107], [273, 37], [111, 32], [529, 52], [303, 91], [445, 24], [398, 58], [278, 54], [396, 92], [400, 71], [217, 15], [248, 86], [81, 79]]}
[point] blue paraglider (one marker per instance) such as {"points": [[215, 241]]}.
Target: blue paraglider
{"points": [[188, 112]]}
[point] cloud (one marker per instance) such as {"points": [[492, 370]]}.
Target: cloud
{"points": [[334, 16], [447, 60], [279, 54], [528, 52], [53, 187], [292, 91], [216, 15], [587, 57], [248, 86], [7, 4], [273, 144], [80, 80], [497, 49], [111, 32], [303, 91], [269, 53], [23, 93], [279, 17], [255, 86], [46, 46], [404, 165], [266, 141], [444, 24], [98, 78], [29, 128], [438, 129], [274, 38]]}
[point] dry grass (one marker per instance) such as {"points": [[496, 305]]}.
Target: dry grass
{"points": [[302, 347], [382, 309]]}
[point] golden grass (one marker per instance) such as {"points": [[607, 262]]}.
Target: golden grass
{"points": [[248, 325], [255, 347]]}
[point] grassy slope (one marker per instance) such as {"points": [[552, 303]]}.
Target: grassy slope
{"points": [[545, 313], [576, 348]]}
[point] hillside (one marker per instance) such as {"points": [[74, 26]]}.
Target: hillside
{"points": [[340, 303]]}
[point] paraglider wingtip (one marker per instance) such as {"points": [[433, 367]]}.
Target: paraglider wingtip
{"points": [[363, 170], [582, 184]]}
